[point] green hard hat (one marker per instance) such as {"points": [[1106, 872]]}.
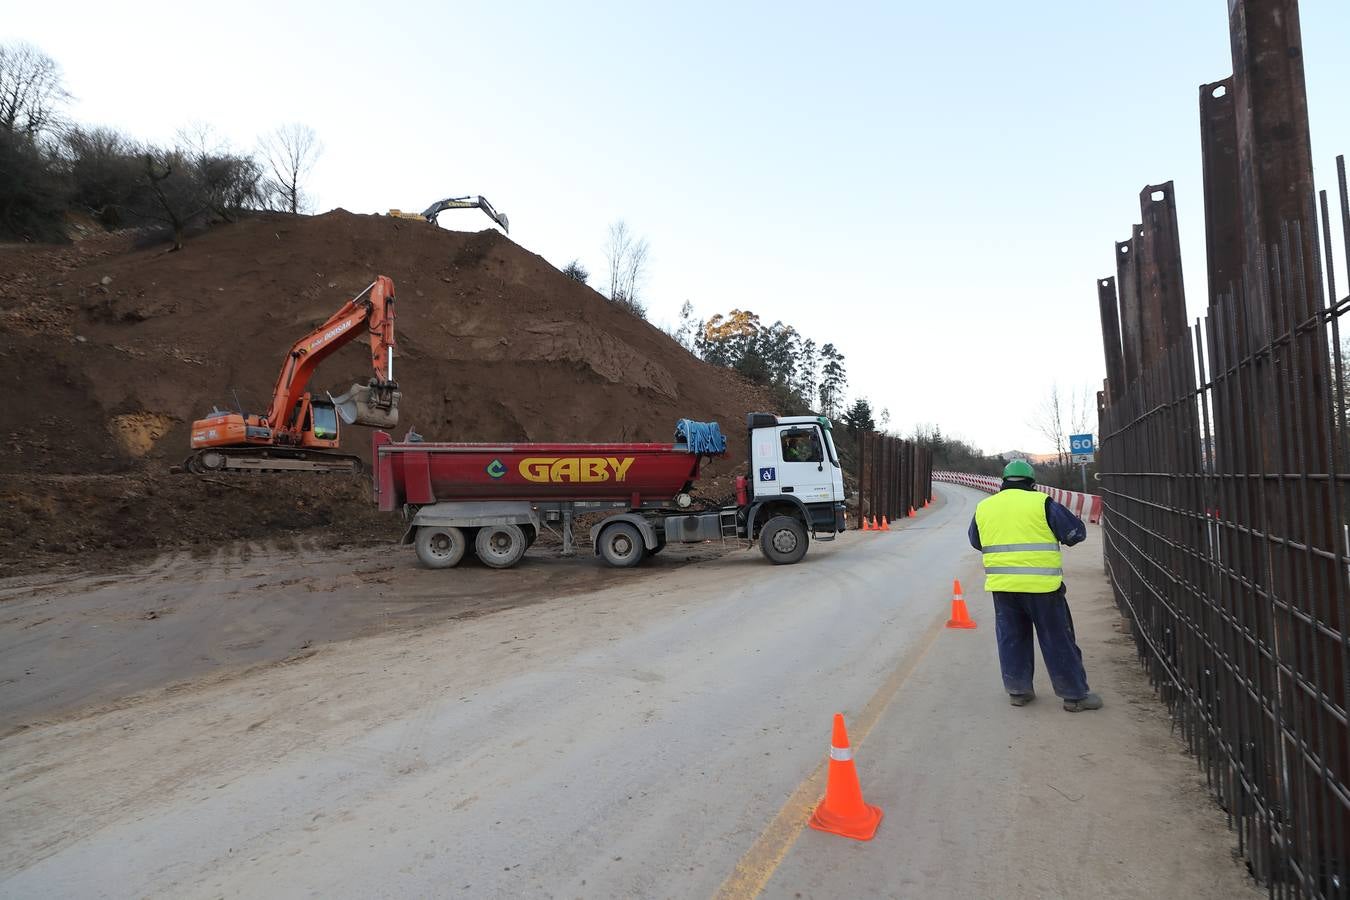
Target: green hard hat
{"points": [[1019, 468]]}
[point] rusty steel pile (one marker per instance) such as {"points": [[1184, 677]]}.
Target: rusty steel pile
{"points": [[1225, 466], [894, 476]]}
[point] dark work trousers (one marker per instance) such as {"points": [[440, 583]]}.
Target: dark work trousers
{"points": [[1015, 615]]}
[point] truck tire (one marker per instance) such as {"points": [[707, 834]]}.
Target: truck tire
{"points": [[783, 540], [500, 546], [439, 546], [621, 545]]}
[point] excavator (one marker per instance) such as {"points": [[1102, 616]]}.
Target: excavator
{"points": [[299, 431], [440, 206]]}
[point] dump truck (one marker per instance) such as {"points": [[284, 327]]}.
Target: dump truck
{"points": [[498, 498]]}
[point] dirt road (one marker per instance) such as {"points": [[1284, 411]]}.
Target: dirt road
{"points": [[653, 737], [75, 644]]}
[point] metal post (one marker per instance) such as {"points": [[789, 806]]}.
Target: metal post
{"points": [[1161, 291], [1131, 323], [1115, 360], [1224, 248]]}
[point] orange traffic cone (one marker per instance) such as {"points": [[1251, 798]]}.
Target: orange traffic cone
{"points": [[885, 524], [843, 811], [960, 617], [865, 526], [876, 526], [912, 513]]}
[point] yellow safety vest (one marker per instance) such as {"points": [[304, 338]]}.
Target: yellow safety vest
{"points": [[1021, 553]]}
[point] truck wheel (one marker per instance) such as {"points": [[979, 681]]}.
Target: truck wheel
{"points": [[621, 546], [783, 540], [439, 546], [500, 546]]}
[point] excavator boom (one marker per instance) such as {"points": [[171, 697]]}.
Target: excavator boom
{"points": [[297, 429], [440, 206], [377, 314]]}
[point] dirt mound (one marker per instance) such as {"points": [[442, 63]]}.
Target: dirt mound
{"points": [[108, 352]]}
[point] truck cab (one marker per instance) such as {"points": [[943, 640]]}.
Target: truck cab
{"points": [[794, 472]]}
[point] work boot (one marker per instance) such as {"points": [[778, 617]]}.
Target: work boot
{"points": [[1091, 701], [1021, 699]]}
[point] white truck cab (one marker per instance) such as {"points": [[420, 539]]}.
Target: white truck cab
{"points": [[794, 470]]}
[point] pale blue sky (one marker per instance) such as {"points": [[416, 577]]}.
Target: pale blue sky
{"points": [[932, 188]]}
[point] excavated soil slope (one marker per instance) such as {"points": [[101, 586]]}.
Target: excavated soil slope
{"points": [[108, 352]]}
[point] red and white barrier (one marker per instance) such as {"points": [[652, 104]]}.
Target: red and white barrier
{"points": [[1087, 507]]}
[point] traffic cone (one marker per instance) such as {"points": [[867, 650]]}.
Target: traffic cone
{"points": [[960, 617], [885, 524], [876, 526], [843, 811], [865, 526], [912, 513]]}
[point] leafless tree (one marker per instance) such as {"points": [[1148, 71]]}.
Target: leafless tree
{"points": [[177, 197], [31, 93], [1058, 417], [229, 182], [1049, 420], [627, 256], [290, 152]]}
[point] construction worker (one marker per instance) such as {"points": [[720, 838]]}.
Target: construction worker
{"points": [[800, 448], [1019, 531]]}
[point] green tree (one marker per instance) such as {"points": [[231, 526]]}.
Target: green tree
{"points": [[858, 417], [833, 379]]}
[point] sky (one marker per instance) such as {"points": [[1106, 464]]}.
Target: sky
{"points": [[934, 188]]}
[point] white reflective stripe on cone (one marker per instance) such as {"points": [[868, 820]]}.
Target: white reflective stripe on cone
{"points": [[841, 754]]}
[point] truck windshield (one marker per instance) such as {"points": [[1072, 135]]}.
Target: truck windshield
{"points": [[325, 422]]}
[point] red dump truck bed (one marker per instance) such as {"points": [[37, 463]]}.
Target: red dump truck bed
{"points": [[421, 472]]}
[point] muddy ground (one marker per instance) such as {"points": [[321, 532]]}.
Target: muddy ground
{"points": [[76, 643]]}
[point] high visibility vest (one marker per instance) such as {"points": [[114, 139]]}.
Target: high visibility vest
{"points": [[1021, 553]]}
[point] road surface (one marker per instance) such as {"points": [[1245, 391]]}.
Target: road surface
{"points": [[659, 737]]}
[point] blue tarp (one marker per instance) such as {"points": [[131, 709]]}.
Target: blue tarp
{"points": [[701, 437]]}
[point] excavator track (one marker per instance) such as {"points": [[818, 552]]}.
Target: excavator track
{"points": [[267, 460]]}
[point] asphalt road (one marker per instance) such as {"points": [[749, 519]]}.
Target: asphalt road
{"points": [[656, 738]]}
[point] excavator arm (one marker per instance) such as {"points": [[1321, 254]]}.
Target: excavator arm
{"points": [[376, 403], [440, 206]]}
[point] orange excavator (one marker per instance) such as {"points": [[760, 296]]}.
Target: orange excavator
{"points": [[300, 431]]}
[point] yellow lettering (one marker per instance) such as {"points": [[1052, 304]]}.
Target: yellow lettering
{"points": [[593, 469], [566, 469], [535, 468], [620, 467]]}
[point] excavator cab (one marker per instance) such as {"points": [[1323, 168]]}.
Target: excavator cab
{"points": [[317, 422], [323, 421]]}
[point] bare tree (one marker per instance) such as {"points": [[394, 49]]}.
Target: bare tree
{"points": [[1049, 420], [177, 199], [690, 327], [576, 271], [1058, 417], [229, 182], [31, 92], [1083, 405], [627, 256], [290, 153]]}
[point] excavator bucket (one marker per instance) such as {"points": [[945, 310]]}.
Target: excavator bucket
{"points": [[373, 405]]}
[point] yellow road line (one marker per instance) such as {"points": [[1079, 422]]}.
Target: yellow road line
{"points": [[757, 866]]}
